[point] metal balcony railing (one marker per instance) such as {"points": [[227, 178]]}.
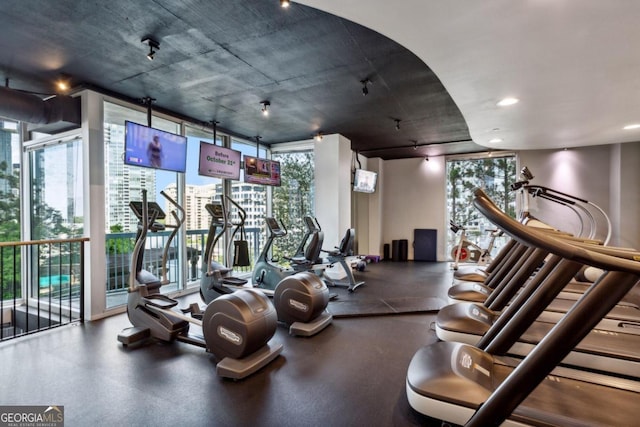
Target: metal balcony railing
{"points": [[42, 285], [120, 245]]}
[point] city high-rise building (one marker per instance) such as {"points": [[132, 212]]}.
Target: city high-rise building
{"points": [[125, 183]]}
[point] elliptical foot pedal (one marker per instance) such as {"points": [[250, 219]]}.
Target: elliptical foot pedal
{"points": [[160, 301], [133, 335], [194, 309], [234, 281]]}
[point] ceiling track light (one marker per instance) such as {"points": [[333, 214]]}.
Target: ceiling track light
{"points": [[397, 123], [153, 44], [265, 108], [365, 88], [318, 136], [63, 83], [285, 4]]}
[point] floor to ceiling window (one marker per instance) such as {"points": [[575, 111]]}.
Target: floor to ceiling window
{"points": [[123, 184], [56, 207], [493, 174], [294, 199], [200, 190], [253, 199], [10, 152]]}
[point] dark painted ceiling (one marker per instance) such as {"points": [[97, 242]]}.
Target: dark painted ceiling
{"points": [[219, 59]]}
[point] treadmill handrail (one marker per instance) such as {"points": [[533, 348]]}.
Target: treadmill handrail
{"points": [[530, 236]]}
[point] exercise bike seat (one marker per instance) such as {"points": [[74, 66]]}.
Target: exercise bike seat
{"points": [[160, 301]]}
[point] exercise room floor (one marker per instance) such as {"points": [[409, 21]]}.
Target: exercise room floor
{"points": [[350, 374]]}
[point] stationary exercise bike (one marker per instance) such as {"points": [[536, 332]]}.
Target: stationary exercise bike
{"points": [[339, 255], [468, 251], [236, 328]]}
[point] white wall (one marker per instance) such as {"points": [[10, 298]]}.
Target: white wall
{"points": [[367, 212], [582, 172], [625, 197], [606, 175], [413, 197]]}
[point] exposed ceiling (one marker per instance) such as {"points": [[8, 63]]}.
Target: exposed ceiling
{"points": [[219, 59], [574, 66]]}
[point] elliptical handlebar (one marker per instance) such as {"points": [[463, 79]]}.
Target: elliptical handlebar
{"points": [[140, 241], [179, 222], [228, 223], [241, 212]]}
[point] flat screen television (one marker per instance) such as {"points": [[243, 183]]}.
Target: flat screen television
{"points": [[218, 162], [154, 148], [364, 181], [261, 171]]}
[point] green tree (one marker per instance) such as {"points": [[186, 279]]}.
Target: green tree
{"points": [[494, 175], [9, 231], [294, 199]]}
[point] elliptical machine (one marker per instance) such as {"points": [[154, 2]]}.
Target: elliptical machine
{"points": [[236, 328], [217, 278], [267, 273], [299, 294], [300, 299]]}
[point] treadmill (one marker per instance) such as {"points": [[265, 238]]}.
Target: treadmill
{"points": [[463, 384], [610, 347]]}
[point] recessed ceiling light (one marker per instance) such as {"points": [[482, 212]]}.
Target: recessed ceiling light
{"points": [[632, 126], [495, 140], [507, 101]]}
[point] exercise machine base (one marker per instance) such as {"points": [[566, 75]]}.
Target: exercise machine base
{"points": [[236, 369], [308, 329]]}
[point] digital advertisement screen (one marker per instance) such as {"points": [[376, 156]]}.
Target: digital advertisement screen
{"points": [[261, 171], [218, 162], [153, 148], [364, 181]]}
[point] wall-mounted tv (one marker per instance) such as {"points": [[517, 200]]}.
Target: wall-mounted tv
{"points": [[261, 171], [218, 162], [153, 148], [364, 181]]}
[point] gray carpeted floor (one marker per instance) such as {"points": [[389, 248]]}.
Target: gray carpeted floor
{"points": [[351, 374]]}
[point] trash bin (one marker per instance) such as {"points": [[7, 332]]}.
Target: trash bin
{"points": [[400, 250]]}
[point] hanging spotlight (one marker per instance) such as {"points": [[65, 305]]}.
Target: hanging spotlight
{"points": [[265, 108], [285, 3], [365, 89], [397, 123], [318, 136], [153, 44]]}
